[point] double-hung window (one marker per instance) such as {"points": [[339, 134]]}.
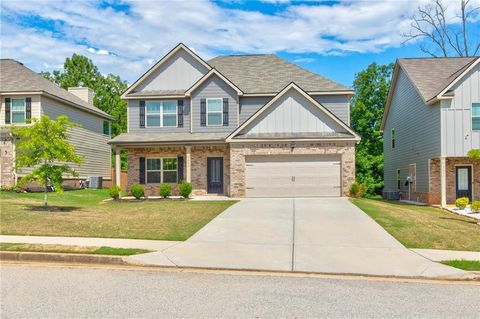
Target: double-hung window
{"points": [[18, 111], [476, 116], [399, 181], [161, 170], [106, 128], [392, 137], [161, 113], [214, 112]]}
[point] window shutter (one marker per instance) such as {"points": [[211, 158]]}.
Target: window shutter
{"points": [[225, 111], [7, 110], [141, 170], [180, 112], [180, 169], [203, 112], [28, 108], [142, 114]]}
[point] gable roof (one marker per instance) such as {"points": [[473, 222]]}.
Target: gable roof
{"points": [[207, 76], [292, 85], [268, 73], [17, 78]]}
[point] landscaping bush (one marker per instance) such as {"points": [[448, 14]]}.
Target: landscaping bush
{"points": [[165, 190], [137, 191], [462, 202], [358, 190], [114, 191], [476, 206], [185, 189]]}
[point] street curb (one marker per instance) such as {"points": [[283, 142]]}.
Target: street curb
{"points": [[63, 258]]}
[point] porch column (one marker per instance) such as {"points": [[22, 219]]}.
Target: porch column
{"points": [[188, 163], [443, 182], [118, 167]]}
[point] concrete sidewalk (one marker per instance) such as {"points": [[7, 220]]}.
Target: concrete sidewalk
{"points": [[440, 255]]}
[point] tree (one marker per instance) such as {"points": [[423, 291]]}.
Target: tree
{"points": [[371, 89], [474, 154], [44, 147], [450, 36]]}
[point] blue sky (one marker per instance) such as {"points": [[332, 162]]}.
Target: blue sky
{"points": [[336, 39]]}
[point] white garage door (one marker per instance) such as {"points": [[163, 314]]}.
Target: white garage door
{"points": [[292, 176]]}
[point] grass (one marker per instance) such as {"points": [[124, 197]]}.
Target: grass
{"points": [[469, 265], [84, 213], [423, 227], [71, 249]]}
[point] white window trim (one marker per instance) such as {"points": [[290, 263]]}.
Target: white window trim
{"points": [[221, 111], [393, 139], [473, 129], [24, 111], [161, 170], [160, 113]]}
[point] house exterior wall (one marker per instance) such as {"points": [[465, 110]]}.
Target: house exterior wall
{"points": [[238, 151], [7, 178], [36, 109], [457, 134], [417, 136], [339, 105], [250, 105]]}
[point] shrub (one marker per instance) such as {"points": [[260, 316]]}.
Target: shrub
{"points": [[358, 190], [462, 202], [137, 191], [165, 190], [185, 189], [476, 206], [114, 191]]}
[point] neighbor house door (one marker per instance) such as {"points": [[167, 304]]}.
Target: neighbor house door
{"points": [[463, 176], [215, 175]]}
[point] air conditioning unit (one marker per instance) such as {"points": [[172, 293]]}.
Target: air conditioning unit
{"points": [[391, 195], [95, 182]]}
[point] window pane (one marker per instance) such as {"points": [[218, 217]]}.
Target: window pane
{"points": [[169, 119], [153, 177], [18, 117], [106, 128], [18, 105], [170, 164], [476, 123], [153, 107], [153, 164], [214, 119], [476, 109], [214, 105], [153, 120], [170, 107], [170, 176]]}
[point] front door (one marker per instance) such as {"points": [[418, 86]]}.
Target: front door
{"points": [[463, 175], [215, 175]]}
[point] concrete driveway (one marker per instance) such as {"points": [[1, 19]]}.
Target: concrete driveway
{"points": [[327, 235]]}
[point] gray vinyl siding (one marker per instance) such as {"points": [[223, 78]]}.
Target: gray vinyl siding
{"points": [[134, 119], [214, 87], [250, 105], [89, 141], [417, 135], [339, 105], [458, 137]]}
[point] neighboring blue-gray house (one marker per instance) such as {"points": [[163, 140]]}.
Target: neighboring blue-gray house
{"points": [[431, 121]]}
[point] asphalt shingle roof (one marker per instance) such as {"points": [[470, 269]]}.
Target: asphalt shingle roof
{"points": [[166, 137], [15, 77]]}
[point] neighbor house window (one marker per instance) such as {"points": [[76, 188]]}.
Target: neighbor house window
{"points": [[476, 116], [161, 113], [214, 112], [18, 111], [106, 128], [399, 182], [393, 138], [161, 170]]}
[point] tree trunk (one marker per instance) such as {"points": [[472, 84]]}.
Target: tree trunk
{"points": [[45, 199]]}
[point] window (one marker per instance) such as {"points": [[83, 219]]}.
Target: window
{"points": [[106, 128], [214, 112], [161, 113], [161, 170], [392, 137], [476, 116], [399, 182], [18, 111]]}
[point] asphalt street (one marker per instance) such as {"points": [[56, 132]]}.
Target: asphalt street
{"points": [[46, 291]]}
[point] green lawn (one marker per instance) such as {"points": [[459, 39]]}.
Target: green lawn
{"points": [[423, 227], [72, 249], [84, 213], [469, 265]]}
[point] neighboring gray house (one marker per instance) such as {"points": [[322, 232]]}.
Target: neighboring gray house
{"points": [[431, 121], [244, 125], [25, 95]]}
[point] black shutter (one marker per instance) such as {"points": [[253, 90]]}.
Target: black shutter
{"points": [[180, 169], [225, 112], [203, 112], [142, 114], [180, 112], [28, 108], [7, 110], [141, 170]]}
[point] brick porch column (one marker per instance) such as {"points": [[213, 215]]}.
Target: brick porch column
{"points": [[188, 163], [443, 182], [118, 167]]}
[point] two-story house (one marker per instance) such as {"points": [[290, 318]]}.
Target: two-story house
{"points": [[240, 125], [26, 95], [431, 121]]}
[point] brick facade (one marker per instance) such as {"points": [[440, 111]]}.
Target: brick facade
{"points": [[6, 160]]}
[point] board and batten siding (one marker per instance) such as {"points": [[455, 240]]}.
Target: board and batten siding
{"points": [[36, 111], [179, 72], [293, 113], [134, 118], [417, 136], [89, 140], [457, 134], [339, 105], [214, 87]]}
